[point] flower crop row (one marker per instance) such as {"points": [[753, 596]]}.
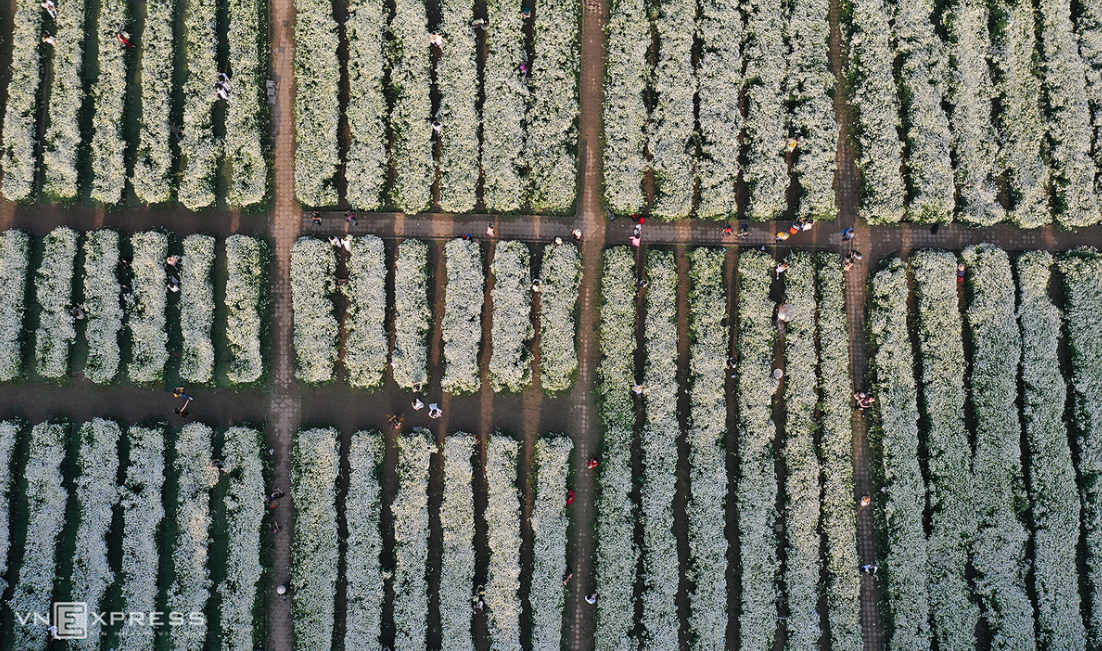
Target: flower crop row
{"points": [[316, 547], [670, 137], [765, 55], [366, 340], [53, 289], [317, 77], [313, 266], [145, 307], [151, 177], [549, 525], [14, 260], [457, 560], [366, 163], [61, 143], [905, 557], [511, 328], [410, 116], [412, 317], [503, 534], [625, 113], [953, 522], [244, 514], [21, 111], [719, 71], [108, 154], [457, 81], [560, 275], [101, 305], [1055, 497], [462, 324], [551, 136], [505, 93], [411, 534], [364, 544], [9, 438], [246, 258], [244, 118], [200, 150], [810, 85], [197, 308], [998, 551], [142, 513]]}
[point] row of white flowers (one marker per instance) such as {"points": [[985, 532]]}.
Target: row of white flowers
{"points": [[843, 587], [142, 512], [195, 477], [810, 85], [765, 55], [45, 503], [1083, 308], [244, 513], [905, 553], [998, 550], [316, 547], [511, 327], [672, 121], [503, 535], [1054, 503], [363, 575], [551, 135], [366, 163], [457, 82], [246, 259], [21, 111], [411, 534], [197, 308], [145, 307], [366, 340], [109, 95], [625, 113], [658, 442], [505, 98], [549, 523], [317, 79], [14, 260], [757, 487], [410, 116], [803, 565], [61, 144], [151, 177], [617, 553], [560, 274], [244, 117], [101, 305], [462, 324], [199, 149], [953, 521], [313, 269], [719, 71], [706, 437], [9, 437], [412, 317], [457, 559], [876, 101], [97, 494], [53, 289]]}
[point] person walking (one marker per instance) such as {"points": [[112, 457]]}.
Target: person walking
{"points": [[577, 233], [592, 463], [780, 269], [848, 234], [490, 231], [591, 598], [46, 38], [316, 217], [350, 218], [782, 236], [124, 38]]}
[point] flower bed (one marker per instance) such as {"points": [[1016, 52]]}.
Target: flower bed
{"points": [[617, 554], [1055, 497], [409, 79], [108, 150], [245, 114], [706, 437], [197, 308], [457, 560], [998, 551], [145, 307], [560, 276], [366, 164], [766, 57], [195, 477], [876, 103], [97, 494], [363, 575], [757, 489], [366, 341], [14, 249], [313, 269], [905, 555], [811, 83], [142, 513], [503, 535], [21, 111], [719, 71], [412, 317], [101, 305], [61, 144], [670, 141], [511, 327], [949, 452], [457, 81], [199, 149], [803, 564], [411, 535], [53, 289], [505, 97], [316, 547], [546, 593], [244, 514], [551, 135], [659, 449], [9, 437], [462, 323], [45, 503], [152, 176], [843, 585], [246, 259], [317, 81], [625, 113]]}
